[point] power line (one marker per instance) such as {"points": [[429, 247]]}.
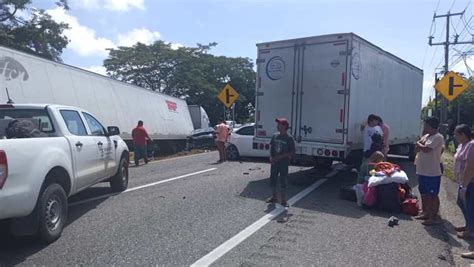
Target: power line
{"points": [[454, 2]]}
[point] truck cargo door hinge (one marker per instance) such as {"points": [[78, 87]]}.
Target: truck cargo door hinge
{"points": [[341, 131], [343, 92]]}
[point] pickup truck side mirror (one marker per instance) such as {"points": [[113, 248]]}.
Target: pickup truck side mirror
{"points": [[113, 130]]}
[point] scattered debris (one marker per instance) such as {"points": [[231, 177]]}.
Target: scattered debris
{"points": [[442, 257], [393, 221], [184, 197], [246, 173]]}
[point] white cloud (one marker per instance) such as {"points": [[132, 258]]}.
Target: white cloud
{"points": [[124, 5], [141, 35], [114, 5], [176, 46], [83, 39], [86, 4], [97, 69]]}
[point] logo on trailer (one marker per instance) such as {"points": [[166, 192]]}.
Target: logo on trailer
{"points": [[275, 68], [12, 69], [172, 106]]}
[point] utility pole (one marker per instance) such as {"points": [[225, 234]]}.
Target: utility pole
{"points": [[446, 44], [436, 111]]}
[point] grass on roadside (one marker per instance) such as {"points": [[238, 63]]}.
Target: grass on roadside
{"points": [[448, 161]]}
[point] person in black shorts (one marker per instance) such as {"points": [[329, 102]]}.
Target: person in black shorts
{"points": [[282, 148]]}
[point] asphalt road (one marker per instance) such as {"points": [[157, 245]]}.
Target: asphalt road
{"points": [[179, 221]]}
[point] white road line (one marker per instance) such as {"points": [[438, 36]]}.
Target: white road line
{"points": [[178, 157], [250, 230], [142, 186]]}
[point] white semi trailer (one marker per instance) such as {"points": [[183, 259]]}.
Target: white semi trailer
{"points": [[32, 80]]}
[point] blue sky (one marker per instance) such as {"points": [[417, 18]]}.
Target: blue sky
{"points": [[400, 27]]}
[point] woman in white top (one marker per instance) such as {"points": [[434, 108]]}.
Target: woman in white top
{"points": [[371, 128]]}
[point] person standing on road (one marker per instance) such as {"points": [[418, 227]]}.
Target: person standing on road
{"points": [[282, 148], [464, 173], [140, 139], [428, 162], [371, 128], [222, 134], [386, 135]]}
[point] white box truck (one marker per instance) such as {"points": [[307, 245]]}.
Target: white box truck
{"points": [[34, 80], [327, 86], [199, 117]]}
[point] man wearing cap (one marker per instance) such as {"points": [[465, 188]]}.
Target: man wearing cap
{"points": [[281, 150]]}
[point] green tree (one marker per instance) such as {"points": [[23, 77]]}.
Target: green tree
{"points": [[191, 73], [39, 34]]}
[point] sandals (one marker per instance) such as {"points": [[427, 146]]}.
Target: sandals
{"points": [[468, 255], [460, 228], [465, 235], [271, 200], [421, 217]]}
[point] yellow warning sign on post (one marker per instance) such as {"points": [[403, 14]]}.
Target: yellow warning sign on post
{"points": [[451, 86], [228, 95]]}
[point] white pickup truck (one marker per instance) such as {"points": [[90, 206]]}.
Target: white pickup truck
{"points": [[47, 154]]}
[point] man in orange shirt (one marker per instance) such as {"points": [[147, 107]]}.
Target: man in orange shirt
{"points": [[222, 133], [140, 139]]}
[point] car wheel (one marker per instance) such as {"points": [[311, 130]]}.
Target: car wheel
{"points": [[119, 182], [232, 153], [53, 210]]}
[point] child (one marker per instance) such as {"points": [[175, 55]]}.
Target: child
{"points": [[368, 165]]}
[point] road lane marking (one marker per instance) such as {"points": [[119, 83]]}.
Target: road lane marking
{"points": [[250, 230], [155, 161], [142, 186]]}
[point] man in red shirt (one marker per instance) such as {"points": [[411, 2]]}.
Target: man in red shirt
{"points": [[140, 139]]}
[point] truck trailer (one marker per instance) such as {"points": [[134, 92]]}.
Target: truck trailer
{"points": [[30, 79], [327, 86]]}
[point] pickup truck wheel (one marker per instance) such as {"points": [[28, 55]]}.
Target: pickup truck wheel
{"points": [[53, 209], [232, 153], [119, 182]]}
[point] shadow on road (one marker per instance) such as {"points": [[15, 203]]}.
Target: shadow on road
{"points": [[15, 250], [327, 199]]}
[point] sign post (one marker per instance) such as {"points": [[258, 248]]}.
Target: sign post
{"points": [[228, 96], [451, 85]]}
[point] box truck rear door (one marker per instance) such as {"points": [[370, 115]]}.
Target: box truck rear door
{"points": [[322, 92], [275, 88]]}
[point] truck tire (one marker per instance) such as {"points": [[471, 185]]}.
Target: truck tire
{"points": [[119, 182], [232, 153], [52, 208], [323, 163]]}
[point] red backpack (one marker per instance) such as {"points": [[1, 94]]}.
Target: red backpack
{"points": [[410, 206]]}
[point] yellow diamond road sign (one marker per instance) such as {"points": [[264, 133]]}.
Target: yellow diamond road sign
{"points": [[451, 86], [228, 95]]}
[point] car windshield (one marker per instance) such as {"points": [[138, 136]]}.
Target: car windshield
{"points": [[25, 123]]}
